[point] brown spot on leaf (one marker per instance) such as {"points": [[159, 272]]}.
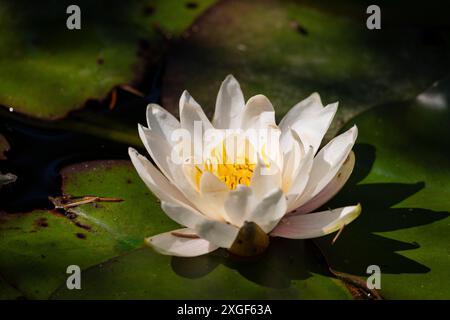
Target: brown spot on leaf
{"points": [[41, 223], [83, 226], [149, 10], [299, 28], [191, 5], [80, 235], [71, 215]]}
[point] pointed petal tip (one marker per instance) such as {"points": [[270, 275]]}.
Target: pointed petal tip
{"points": [[183, 98], [333, 106], [133, 154], [140, 126], [358, 209], [229, 77], [132, 151], [148, 242], [354, 131], [141, 131], [153, 107], [315, 96]]}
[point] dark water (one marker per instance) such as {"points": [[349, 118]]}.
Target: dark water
{"points": [[38, 152]]}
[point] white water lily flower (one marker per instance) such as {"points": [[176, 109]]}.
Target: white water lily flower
{"points": [[234, 204]]}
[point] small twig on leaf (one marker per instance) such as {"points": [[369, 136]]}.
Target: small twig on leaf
{"points": [[113, 101], [131, 90], [65, 202]]}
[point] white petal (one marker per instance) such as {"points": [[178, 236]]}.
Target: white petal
{"points": [[258, 113], [229, 104], [292, 160], [313, 225], [328, 162], [155, 181], [310, 120], [269, 211], [265, 179], [159, 149], [300, 181], [239, 204], [332, 188], [191, 112], [219, 233], [213, 193], [161, 122], [181, 243]]}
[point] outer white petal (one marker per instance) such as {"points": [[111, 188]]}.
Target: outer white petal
{"points": [[313, 225], [309, 119], [229, 104], [239, 204], [258, 113], [269, 211], [161, 122], [185, 245], [331, 189], [159, 149], [155, 181], [219, 233], [328, 162]]}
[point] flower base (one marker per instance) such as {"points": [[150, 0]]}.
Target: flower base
{"points": [[250, 241]]}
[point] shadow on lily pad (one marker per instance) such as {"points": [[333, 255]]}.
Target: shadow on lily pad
{"points": [[291, 259], [360, 245]]}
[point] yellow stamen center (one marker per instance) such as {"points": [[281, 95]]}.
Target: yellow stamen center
{"points": [[231, 171]]}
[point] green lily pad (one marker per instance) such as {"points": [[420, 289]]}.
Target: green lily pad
{"points": [[404, 150], [37, 247], [49, 70], [287, 50]]}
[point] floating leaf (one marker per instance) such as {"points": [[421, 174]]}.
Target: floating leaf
{"points": [[287, 50], [49, 70]]}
